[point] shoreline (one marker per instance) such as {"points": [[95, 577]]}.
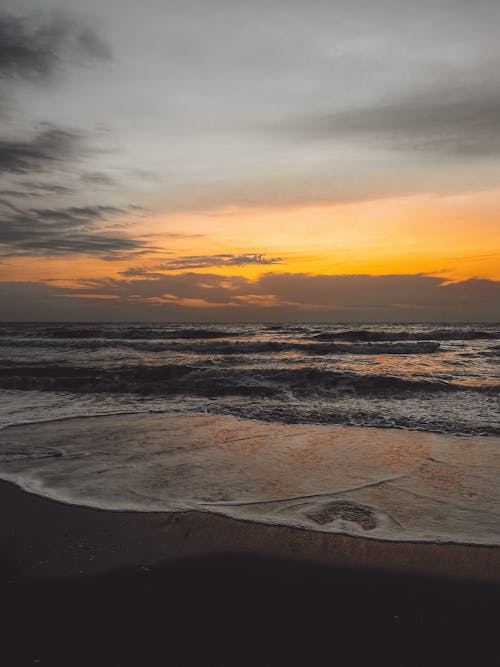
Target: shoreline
{"points": [[91, 586], [262, 522], [86, 587], [396, 488], [52, 539]]}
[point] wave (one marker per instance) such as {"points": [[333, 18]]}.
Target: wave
{"points": [[346, 413], [117, 333], [229, 347], [492, 351], [168, 331], [244, 347], [367, 335], [214, 380], [286, 328]]}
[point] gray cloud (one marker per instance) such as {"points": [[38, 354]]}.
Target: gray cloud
{"points": [[49, 148], [98, 179], [297, 297], [459, 121], [50, 232], [53, 229], [408, 294], [35, 46], [191, 80], [202, 261], [33, 189]]}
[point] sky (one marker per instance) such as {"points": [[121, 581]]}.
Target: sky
{"points": [[225, 160]]}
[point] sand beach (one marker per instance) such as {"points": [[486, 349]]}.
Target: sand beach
{"points": [[98, 587]]}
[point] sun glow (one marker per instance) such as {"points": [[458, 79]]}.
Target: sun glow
{"points": [[457, 236], [453, 236]]}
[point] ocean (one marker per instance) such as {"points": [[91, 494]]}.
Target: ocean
{"points": [[388, 430]]}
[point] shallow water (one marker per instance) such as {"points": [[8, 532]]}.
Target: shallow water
{"points": [[378, 483]]}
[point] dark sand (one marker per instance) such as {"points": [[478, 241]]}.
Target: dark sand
{"points": [[88, 587]]}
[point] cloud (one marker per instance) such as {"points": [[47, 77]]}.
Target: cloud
{"points": [[49, 148], [408, 294], [202, 261], [35, 189], [98, 179], [463, 120], [295, 297], [30, 167], [273, 297], [34, 47], [50, 232]]}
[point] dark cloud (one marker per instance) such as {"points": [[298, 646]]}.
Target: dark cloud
{"points": [[297, 297], [212, 288], [98, 179], [202, 261], [278, 297], [35, 301], [459, 121], [50, 232], [53, 229], [48, 149], [33, 189], [35, 46], [399, 293]]}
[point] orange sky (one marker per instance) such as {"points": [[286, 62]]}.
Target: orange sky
{"points": [[454, 236]]}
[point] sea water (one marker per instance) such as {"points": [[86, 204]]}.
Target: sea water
{"points": [[253, 422]]}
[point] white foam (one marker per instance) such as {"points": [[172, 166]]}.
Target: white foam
{"points": [[377, 483], [32, 407]]}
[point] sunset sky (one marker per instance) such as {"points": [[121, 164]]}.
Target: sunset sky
{"points": [[267, 160]]}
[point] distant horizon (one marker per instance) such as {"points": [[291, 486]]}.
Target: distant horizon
{"points": [[248, 322]]}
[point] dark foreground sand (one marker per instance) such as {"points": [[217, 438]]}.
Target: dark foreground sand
{"points": [[87, 587]]}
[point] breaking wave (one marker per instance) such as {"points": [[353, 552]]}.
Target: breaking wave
{"points": [[227, 347], [118, 333], [416, 376], [217, 381], [367, 335]]}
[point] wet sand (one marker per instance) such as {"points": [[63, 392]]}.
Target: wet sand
{"points": [[90, 587], [385, 484]]}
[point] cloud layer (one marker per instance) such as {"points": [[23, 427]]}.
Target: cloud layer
{"points": [[44, 164], [52, 232], [200, 262], [35, 46], [459, 121], [46, 150], [273, 297]]}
